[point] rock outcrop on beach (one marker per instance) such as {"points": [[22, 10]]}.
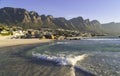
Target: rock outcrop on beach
{"points": [[30, 19]]}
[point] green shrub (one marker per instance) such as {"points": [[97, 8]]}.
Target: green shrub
{"points": [[6, 33]]}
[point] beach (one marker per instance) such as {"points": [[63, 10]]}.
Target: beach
{"points": [[34, 57], [13, 42], [14, 62]]}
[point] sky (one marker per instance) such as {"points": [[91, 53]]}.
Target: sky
{"points": [[104, 11]]}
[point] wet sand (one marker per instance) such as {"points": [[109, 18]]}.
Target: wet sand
{"points": [[12, 59]]}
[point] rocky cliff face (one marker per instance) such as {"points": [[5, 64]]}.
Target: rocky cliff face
{"points": [[86, 25], [22, 17]]}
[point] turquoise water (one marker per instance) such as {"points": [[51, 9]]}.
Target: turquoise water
{"points": [[103, 55]]}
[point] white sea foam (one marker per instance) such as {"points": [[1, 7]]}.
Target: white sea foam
{"points": [[62, 43], [99, 39], [62, 60]]}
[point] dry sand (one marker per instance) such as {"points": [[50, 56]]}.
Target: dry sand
{"points": [[13, 42]]}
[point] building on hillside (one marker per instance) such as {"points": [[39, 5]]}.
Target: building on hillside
{"points": [[18, 34]]}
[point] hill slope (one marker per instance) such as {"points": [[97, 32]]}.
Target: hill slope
{"points": [[112, 28]]}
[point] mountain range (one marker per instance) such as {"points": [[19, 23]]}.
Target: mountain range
{"points": [[31, 19], [112, 28]]}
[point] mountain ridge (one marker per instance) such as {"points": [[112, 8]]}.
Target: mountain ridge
{"points": [[30, 19]]}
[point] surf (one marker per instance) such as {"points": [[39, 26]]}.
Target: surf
{"points": [[60, 60]]}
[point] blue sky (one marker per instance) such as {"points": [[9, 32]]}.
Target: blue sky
{"points": [[103, 10]]}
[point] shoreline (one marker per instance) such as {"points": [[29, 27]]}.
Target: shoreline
{"points": [[12, 56]]}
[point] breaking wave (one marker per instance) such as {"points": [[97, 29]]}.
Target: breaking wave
{"points": [[62, 60]]}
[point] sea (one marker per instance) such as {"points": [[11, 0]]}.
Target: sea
{"points": [[85, 57]]}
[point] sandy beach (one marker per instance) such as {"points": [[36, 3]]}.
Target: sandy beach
{"points": [[13, 42]]}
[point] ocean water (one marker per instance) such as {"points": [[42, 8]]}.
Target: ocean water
{"points": [[87, 57]]}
